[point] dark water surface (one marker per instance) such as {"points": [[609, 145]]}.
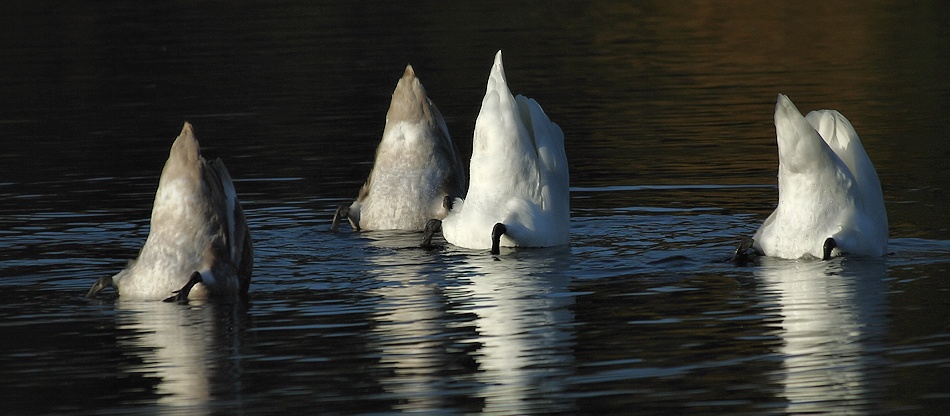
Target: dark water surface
{"points": [[667, 111]]}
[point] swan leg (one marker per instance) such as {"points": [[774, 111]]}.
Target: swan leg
{"points": [[343, 212], [432, 227], [826, 249], [496, 232], [102, 283], [181, 295], [744, 253]]}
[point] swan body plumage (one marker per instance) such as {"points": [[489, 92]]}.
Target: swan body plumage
{"points": [[518, 175], [828, 189], [416, 167], [197, 225]]}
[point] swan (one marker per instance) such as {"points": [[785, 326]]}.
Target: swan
{"points": [[417, 166], [198, 241], [829, 197], [518, 193]]}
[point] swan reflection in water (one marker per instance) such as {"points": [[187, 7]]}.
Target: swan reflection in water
{"points": [[489, 335], [834, 313], [521, 304], [409, 321], [175, 344]]}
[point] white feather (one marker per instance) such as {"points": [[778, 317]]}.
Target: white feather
{"points": [[518, 175], [828, 188], [416, 165], [195, 215]]}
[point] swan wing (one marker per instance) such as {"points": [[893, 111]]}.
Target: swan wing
{"points": [[239, 246], [455, 181], [839, 134], [870, 226], [548, 139]]}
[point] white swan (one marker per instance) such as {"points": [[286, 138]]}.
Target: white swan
{"points": [[829, 196], [417, 166], [518, 195], [198, 242]]}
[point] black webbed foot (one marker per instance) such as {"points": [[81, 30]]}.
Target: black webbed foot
{"points": [[496, 232], [181, 295], [432, 227], [102, 283], [826, 249], [343, 212], [744, 254]]}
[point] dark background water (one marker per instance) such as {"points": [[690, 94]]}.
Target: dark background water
{"points": [[667, 112]]}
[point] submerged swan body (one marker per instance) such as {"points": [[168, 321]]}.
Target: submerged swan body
{"points": [[198, 242], [830, 199], [417, 166], [518, 193]]}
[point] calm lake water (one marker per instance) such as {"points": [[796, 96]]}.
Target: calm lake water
{"points": [[667, 111]]}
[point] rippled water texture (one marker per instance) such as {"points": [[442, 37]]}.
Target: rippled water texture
{"points": [[667, 112]]}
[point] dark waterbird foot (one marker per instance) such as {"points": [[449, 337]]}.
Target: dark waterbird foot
{"points": [[432, 227], [744, 254], [100, 284], [447, 202], [343, 212], [496, 232], [830, 244], [181, 295]]}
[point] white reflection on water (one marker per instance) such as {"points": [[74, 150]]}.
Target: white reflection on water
{"points": [[834, 315], [500, 324], [521, 303], [174, 343], [409, 317]]}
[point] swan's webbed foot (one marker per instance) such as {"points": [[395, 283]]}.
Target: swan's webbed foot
{"points": [[496, 232], [343, 212], [744, 253], [447, 202], [102, 283], [826, 248], [432, 227], [181, 295]]}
